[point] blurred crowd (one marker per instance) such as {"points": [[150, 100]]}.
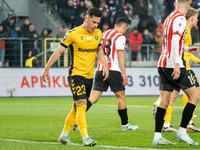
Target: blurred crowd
{"points": [[145, 24], [10, 49], [145, 18]]}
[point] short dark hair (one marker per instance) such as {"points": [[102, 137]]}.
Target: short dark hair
{"points": [[120, 21], [94, 12]]}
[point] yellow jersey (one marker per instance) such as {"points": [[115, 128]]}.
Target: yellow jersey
{"points": [[29, 62], [83, 47], [188, 56]]}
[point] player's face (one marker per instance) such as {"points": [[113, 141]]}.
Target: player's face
{"points": [[195, 20], [92, 23]]}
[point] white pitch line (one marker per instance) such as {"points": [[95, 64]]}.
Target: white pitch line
{"points": [[133, 106], [105, 146]]}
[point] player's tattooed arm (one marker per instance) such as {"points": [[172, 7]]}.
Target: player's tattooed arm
{"points": [[100, 52], [101, 58]]}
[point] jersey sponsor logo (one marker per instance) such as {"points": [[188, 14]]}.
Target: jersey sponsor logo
{"points": [[87, 50], [89, 38], [96, 37], [65, 37]]}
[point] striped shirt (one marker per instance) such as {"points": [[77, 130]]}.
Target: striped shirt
{"points": [[171, 54], [112, 41]]}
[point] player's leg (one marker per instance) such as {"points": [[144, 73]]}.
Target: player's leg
{"points": [[158, 139], [168, 114], [69, 123], [92, 99], [193, 99], [81, 106], [95, 95], [81, 110], [159, 119], [122, 111], [80, 88], [71, 118], [115, 81], [185, 81], [99, 87], [191, 126], [165, 89]]}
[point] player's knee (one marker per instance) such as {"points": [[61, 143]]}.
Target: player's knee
{"points": [[175, 95], [194, 98], [120, 96], [93, 99], [123, 97], [164, 103]]}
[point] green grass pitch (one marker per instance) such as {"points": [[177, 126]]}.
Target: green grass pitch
{"points": [[37, 123]]}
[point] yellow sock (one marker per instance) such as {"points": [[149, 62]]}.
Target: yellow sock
{"points": [[70, 120], [185, 101], [168, 114], [81, 119]]}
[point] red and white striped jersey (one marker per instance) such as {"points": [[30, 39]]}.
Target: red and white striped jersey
{"points": [[112, 41], [175, 24]]}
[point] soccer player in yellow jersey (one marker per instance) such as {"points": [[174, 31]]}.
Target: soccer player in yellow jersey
{"points": [[84, 43], [191, 17]]}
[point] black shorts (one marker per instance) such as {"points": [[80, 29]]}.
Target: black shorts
{"points": [[114, 80], [177, 89], [167, 83], [193, 75], [80, 87]]}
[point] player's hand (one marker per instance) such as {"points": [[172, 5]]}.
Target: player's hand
{"points": [[194, 50], [45, 75], [176, 74], [105, 73], [125, 79]]}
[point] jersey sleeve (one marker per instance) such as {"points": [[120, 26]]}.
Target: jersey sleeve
{"points": [[100, 38], [120, 43], [194, 59], [68, 38], [179, 25]]}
